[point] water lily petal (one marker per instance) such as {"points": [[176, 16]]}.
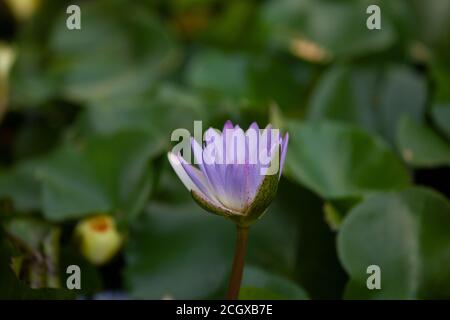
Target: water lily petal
{"points": [[284, 145], [196, 176], [212, 206], [253, 126], [274, 164], [252, 144], [227, 125], [236, 180], [207, 166], [181, 173]]}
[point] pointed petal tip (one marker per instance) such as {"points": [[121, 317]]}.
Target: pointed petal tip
{"points": [[284, 146], [172, 158], [254, 125], [237, 128], [228, 125], [253, 128], [177, 165]]}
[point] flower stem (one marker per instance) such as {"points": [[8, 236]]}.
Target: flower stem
{"points": [[238, 263]]}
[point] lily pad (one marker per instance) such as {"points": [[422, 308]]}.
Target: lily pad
{"points": [[372, 97], [406, 234], [179, 252], [421, 146], [343, 35], [337, 160], [258, 284], [103, 174]]}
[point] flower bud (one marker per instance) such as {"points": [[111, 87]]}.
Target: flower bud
{"points": [[238, 172], [98, 238], [23, 9]]}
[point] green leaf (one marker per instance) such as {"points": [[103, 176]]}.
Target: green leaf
{"points": [[433, 18], [32, 80], [103, 174], [20, 186], [440, 111], [69, 189], [332, 216], [369, 96], [338, 27], [273, 239], [257, 80], [233, 26], [258, 284], [293, 240], [178, 251], [128, 50], [203, 70], [273, 78], [148, 113], [336, 209], [406, 234], [441, 116], [421, 146], [336, 160]]}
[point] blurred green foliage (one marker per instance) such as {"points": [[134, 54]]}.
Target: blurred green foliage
{"points": [[85, 123]]}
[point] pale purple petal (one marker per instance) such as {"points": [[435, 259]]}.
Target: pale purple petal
{"points": [[236, 186], [274, 152], [196, 176], [265, 147], [283, 151], [227, 125], [201, 182], [269, 137], [212, 136], [197, 150], [254, 179], [215, 145], [253, 126], [252, 144], [181, 173], [234, 141], [241, 184], [208, 168]]}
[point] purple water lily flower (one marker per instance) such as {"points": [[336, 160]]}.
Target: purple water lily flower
{"points": [[238, 172]]}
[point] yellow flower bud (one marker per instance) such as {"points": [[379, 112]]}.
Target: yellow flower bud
{"points": [[23, 9], [7, 57], [98, 238]]}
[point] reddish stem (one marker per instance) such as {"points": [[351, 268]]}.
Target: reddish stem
{"points": [[238, 263]]}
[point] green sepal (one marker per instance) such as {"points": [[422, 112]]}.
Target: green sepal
{"points": [[210, 207], [264, 196]]}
